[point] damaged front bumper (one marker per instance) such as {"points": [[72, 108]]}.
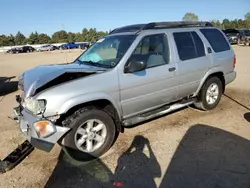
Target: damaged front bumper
{"points": [[26, 121]]}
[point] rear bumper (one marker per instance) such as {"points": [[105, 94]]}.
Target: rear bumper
{"points": [[230, 77], [26, 121]]}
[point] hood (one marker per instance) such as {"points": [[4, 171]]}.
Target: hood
{"points": [[35, 78]]}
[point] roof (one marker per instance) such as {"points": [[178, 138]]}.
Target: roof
{"points": [[160, 25]]}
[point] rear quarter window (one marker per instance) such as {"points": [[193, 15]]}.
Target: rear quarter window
{"points": [[216, 39]]}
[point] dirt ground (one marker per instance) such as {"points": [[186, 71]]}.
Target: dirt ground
{"points": [[188, 148]]}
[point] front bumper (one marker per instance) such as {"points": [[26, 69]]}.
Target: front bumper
{"points": [[26, 121]]}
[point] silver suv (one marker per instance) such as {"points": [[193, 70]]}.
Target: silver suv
{"points": [[136, 73]]}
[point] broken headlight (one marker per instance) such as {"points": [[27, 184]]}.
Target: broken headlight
{"points": [[35, 106]]}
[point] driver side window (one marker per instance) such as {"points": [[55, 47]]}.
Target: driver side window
{"points": [[153, 50]]}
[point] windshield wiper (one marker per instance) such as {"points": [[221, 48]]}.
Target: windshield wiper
{"points": [[94, 64]]}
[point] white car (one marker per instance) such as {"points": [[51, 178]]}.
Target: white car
{"points": [[47, 47]]}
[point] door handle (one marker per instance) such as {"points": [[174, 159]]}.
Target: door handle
{"points": [[172, 69]]}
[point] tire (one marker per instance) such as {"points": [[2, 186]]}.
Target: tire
{"points": [[203, 103], [75, 122]]}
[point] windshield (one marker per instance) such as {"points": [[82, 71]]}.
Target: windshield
{"points": [[107, 51]]}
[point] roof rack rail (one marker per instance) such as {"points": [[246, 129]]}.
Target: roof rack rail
{"points": [[161, 25], [128, 28], [176, 24]]}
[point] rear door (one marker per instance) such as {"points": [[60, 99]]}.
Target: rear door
{"points": [[193, 61]]}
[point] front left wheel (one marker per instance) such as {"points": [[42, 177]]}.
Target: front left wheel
{"points": [[93, 133]]}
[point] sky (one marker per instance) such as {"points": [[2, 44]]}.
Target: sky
{"points": [[49, 16]]}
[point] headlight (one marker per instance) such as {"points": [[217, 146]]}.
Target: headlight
{"points": [[35, 106], [44, 128]]}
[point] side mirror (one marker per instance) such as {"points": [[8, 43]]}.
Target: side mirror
{"points": [[134, 66]]}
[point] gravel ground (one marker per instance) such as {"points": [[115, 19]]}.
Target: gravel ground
{"points": [[188, 148]]}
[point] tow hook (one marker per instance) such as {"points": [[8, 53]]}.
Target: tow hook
{"points": [[16, 157]]}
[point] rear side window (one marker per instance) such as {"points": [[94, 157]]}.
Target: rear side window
{"points": [[216, 39], [189, 45]]}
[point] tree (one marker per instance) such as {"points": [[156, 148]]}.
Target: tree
{"points": [[11, 40], [43, 38], [71, 37], [60, 36], [78, 37], [216, 23], [226, 24], [190, 17], [4, 40], [19, 38], [85, 35], [247, 18], [33, 38]]}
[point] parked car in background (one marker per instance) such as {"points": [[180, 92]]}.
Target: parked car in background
{"points": [[47, 47], [246, 37], [12, 51], [73, 45], [23, 49], [233, 35], [70, 45]]}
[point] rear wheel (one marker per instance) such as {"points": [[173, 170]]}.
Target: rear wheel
{"points": [[210, 94], [93, 133]]}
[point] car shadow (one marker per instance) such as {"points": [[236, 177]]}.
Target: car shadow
{"points": [[209, 157], [206, 157], [7, 86], [247, 116], [134, 169]]}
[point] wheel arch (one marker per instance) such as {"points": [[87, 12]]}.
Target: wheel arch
{"points": [[104, 103], [207, 76]]}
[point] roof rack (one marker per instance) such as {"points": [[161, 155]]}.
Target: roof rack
{"points": [[161, 25]]}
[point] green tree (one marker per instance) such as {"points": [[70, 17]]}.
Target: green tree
{"points": [[71, 37], [4, 40], [78, 37], [190, 17], [11, 40], [226, 23], [19, 38], [85, 35], [216, 23], [43, 38], [60, 36], [101, 34], [33, 38], [247, 18]]}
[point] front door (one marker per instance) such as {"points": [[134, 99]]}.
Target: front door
{"points": [[147, 89]]}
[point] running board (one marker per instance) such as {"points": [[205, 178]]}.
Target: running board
{"points": [[155, 113]]}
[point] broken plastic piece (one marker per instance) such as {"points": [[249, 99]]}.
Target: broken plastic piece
{"points": [[16, 156]]}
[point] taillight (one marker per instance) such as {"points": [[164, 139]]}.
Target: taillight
{"points": [[234, 63]]}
